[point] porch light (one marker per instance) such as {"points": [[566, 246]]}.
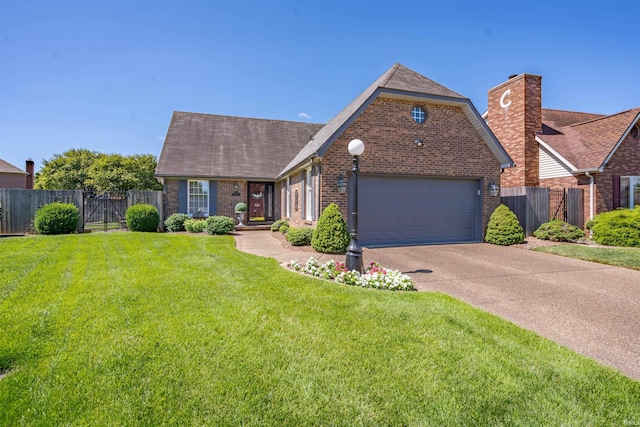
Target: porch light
{"points": [[494, 189], [342, 185]]}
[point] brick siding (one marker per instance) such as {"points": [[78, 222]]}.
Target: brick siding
{"points": [[13, 180]]}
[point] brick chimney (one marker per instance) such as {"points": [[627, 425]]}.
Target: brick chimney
{"points": [[29, 169], [515, 116]]}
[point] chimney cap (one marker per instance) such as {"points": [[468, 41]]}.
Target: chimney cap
{"points": [[29, 159]]}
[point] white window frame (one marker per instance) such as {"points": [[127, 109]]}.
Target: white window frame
{"points": [[198, 201], [287, 200], [308, 196], [629, 197]]}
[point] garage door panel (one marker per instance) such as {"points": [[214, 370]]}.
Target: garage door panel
{"points": [[398, 210]]}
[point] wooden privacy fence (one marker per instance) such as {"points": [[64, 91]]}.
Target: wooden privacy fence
{"points": [[536, 205], [19, 207]]}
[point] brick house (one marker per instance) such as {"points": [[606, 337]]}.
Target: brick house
{"points": [[553, 148], [424, 176], [14, 177]]}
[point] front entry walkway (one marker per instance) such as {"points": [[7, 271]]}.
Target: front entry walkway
{"points": [[591, 308]]}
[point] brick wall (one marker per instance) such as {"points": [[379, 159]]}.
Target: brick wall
{"points": [[516, 125], [452, 148], [231, 193], [171, 197], [12, 180]]}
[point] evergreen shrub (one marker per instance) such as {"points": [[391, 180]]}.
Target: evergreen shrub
{"points": [[558, 231], [142, 217], [504, 228], [57, 218], [331, 235], [195, 225], [279, 223], [300, 236], [219, 224], [617, 228], [176, 222]]}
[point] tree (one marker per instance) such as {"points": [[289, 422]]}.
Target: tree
{"points": [[81, 169]]}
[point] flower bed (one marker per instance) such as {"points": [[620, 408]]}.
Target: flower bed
{"points": [[375, 276]]}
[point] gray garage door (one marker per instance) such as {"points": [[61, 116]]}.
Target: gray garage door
{"points": [[408, 211]]}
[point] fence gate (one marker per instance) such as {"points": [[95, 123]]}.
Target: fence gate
{"points": [[105, 211]]}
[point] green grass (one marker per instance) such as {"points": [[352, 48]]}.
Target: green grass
{"points": [[621, 257], [162, 329]]}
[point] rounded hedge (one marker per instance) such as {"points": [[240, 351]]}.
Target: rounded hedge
{"points": [[142, 217], [175, 222], [219, 224], [558, 231], [195, 225], [279, 223], [504, 228], [617, 228], [331, 235], [57, 218], [240, 208], [299, 236]]}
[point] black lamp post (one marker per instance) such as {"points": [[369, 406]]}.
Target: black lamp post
{"points": [[354, 251]]}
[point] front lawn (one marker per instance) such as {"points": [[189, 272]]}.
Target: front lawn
{"points": [[621, 257], [166, 329]]}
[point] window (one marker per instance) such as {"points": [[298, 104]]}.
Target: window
{"points": [[418, 114], [308, 195], [198, 198], [287, 200], [629, 191]]}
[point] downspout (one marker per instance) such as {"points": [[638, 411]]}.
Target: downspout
{"points": [[590, 199]]}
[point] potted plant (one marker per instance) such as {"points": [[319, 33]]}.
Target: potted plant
{"points": [[241, 210]]}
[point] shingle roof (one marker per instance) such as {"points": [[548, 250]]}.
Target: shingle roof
{"points": [[588, 144], [206, 145], [398, 77], [6, 167], [561, 118]]}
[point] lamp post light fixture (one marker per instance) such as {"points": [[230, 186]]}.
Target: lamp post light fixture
{"points": [[354, 251]]}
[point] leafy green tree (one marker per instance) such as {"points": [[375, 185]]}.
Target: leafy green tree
{"points": [[93, 171], [66, 171]]}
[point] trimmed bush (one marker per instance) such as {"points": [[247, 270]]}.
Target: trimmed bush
{"points": [[617, 228], [300, 236], [284, 229], [331, 235], [142, 217], [558, 231], [176, 222], [240, 208], [57, 218], [279, 223], [504, 228], [195, 225], [219, 224]]}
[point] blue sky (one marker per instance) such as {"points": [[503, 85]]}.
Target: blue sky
{"points": [[107, 75]]}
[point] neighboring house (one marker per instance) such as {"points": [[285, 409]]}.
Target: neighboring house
{"points": [[553, 148], [428, 162], [13, 177]]}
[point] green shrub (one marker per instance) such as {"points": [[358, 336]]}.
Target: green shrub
{"points": [[176, 222], [195, 225], [558, 231], [300, 236], [504, 228], [617, 228], [284, 229], [279, 223], [240, 208], [219, 224], [57, 218], [142, 217], [331, 235]]}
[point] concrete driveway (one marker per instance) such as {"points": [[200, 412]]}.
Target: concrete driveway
{"points": [[591, 308]]}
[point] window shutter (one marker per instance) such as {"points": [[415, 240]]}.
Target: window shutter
{"points": [[182, 196], [616, 191], [213, 198]]}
